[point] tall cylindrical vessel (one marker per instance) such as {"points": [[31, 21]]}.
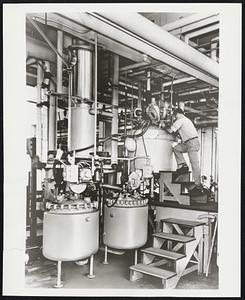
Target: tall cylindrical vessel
{"points": [[159, 148], [84, 71], [70, 234], [126, 225], [82, 129]]}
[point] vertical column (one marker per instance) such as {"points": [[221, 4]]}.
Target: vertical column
{"points": [[59, 61], [140, 94], [114, 124], [39, 112]]}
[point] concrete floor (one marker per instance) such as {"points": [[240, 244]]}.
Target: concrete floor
{"points": [[115, 275]]}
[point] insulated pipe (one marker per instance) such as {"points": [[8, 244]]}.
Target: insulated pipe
{"points": [[100, 25], [146, 29], [114, 123], [40, 50]]}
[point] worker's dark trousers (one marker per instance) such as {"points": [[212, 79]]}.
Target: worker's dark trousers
{"points": [[192, 147]]}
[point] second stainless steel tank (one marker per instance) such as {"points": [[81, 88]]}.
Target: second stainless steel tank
{"points": [[125, 224]]}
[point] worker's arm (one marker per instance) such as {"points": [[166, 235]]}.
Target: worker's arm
{"points": [[175, 127]]}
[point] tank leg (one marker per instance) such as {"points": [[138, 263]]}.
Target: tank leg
{"points": [[58, 283], [91, 268], [135, 256], [105, 262]]}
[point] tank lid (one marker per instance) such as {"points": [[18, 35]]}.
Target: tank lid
{"points": [[71, 207], [128, 202]]}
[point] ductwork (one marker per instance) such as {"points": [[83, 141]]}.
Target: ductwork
{"points": [[205, 70], [146, 29]]}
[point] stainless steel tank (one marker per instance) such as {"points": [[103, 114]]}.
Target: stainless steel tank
{"points": [[82, 129], [158, 145], [126, 224], [70, 233]]}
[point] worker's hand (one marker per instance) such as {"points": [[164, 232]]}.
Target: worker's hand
{"points": [[162, 124]]}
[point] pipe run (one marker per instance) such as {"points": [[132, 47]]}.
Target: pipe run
{"points": [[144, 28], [134, 41]]}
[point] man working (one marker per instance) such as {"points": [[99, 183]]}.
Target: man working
{"points": [[190, 144]]}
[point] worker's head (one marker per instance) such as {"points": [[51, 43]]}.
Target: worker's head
{"points": [[177, 113]]}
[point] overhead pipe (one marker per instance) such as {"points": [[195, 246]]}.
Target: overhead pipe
{"points": [[106, 28], [74, 29], [197, 91], [144, 28], [198, 112], [206, 123]]}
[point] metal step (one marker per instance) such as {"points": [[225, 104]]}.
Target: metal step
{"points": [[153, 271], [163, 253], [174, 237], [183, 222]]}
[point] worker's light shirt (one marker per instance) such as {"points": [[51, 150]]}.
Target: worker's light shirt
{"points": [[185, 128]]}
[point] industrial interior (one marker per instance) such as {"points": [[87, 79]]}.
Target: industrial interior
{"points": [[105, 205]]}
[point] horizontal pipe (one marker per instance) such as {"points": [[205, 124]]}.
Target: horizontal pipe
{"points": [[137, 43], [198, 112], [197, 91], [206, 123], [146, 29], [72, 28], [187, 21], [134, 66]]}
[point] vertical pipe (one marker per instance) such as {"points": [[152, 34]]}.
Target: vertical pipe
{"points": [[95, 90], [69, 109], [114, 123], [39, 113], [52, 121], [58, 283], [91, 268], [59, 73], [33, 183], [152, 187]]}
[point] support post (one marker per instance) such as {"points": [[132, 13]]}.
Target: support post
{"points": [[59, 282], [91, 268], [115, 92], [105, 262], [135, 256]]}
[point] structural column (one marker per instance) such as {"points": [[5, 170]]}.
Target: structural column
{"points": [[115, 92]]}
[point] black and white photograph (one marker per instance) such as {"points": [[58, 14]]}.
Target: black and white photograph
{"points": [[122, 149]]}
